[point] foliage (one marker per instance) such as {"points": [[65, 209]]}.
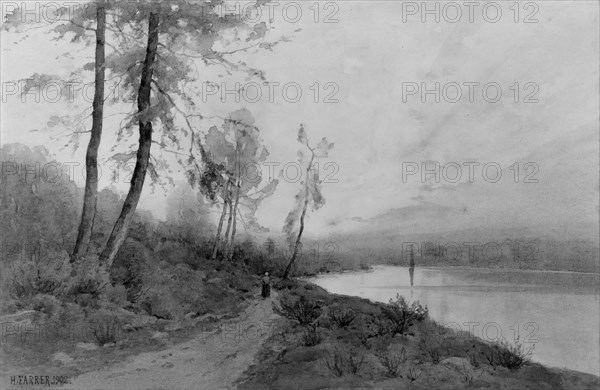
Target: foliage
{"points": [[302, 310], [403, 315], [513, 356], [342, 317], [392, 362], [106, 331], [377, 325], [341, 363], [413, 373], [49, 276], [311, 185], [311, 337], [336, 365]]}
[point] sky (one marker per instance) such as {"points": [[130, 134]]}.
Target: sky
{"points": [[372, 63]]}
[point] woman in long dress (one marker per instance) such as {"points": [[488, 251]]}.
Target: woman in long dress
{"points": [[266, 286]]}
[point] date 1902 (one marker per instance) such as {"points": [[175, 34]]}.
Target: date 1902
{"points": [[33, 380]]}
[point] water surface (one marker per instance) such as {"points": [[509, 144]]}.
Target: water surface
{"points": [[559, 312]]}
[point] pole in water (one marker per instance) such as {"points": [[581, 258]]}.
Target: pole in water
{"points": [[411, 270]]}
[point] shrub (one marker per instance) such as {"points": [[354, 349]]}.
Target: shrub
{"points": [[377, 326], [311, 337], [46, 304], [392, 362], [303, 310], [90, 278], [413, 373], [351, 362], [403, 315], [342, 317], [354, 361], [336, 366], [105, 331], [514, 356], [47, 276], [365, 341]]}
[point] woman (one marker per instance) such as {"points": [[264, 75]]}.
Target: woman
{"points": [[266, 286]]}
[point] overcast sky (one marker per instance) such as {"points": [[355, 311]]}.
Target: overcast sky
{"points": [[370, 56]]}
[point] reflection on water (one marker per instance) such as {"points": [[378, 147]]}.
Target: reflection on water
{"points": [[559, 312]]}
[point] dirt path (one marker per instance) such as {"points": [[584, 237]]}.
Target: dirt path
{"points": [[213, 360]]}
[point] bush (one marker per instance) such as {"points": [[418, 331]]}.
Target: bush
{"points": [[105, 331], [413, 373], [512, 356], [311, 337], [48, 276], [46, 304], [340, 364], [403, 315], [303, 310], [378, 326], [90, 278], [392, 362], [342, 317], [336, 366], [354, 361]]}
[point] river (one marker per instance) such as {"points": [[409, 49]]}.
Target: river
{"points": [[559, 312]]}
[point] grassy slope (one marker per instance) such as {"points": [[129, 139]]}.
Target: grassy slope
{"points": [[286, 363]]}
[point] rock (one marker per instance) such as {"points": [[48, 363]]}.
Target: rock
{"points": [[191, 315], [108, 345], [459, 364], [159, 335], [26, 315], [139, 322], [168, 365], [176, 325], [479, 384], [87, 346], [214, 281], [62, 357]]}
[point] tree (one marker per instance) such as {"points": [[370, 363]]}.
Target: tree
{"points": [[78, 25], [181, 27], [233, 151], [90, 196], [184, 25], [121, 227], [310, 193]]}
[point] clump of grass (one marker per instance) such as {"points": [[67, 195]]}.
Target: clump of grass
{"points": [[392, 362], [513, 356], [336, 365], [413, 373], [106, 331], [355, 361], [434, 354], [341, 363], [342, 317], [466, 375], [365, 341], [311, 337], [303, 310]]}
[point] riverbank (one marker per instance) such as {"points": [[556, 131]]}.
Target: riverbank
{"points": [[329, 352], [345, 342]]}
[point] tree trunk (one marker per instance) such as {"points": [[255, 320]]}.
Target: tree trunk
{"points": [[91, 158], [297, 245], [121, 228], [235, 206], [220, 227], [229, 220]]}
